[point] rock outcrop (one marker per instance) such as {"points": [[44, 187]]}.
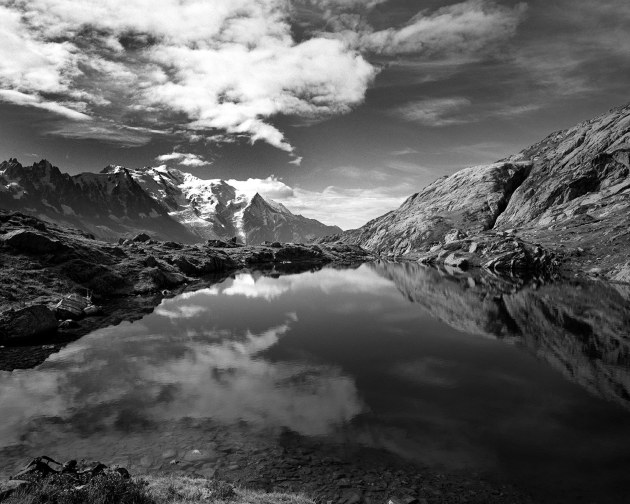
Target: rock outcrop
{"points": [[470, 200], [45, 265], [24, 324], [567, 196]]}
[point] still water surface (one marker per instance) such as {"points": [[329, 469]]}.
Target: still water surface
{"points": [[397, 358]]}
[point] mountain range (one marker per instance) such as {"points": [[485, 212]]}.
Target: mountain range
{"points": [[569, 193], [166, 203]]}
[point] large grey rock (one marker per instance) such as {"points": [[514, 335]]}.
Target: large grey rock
{"points": [[579, 173], [33, 242], [26, 323], [470, 201]]}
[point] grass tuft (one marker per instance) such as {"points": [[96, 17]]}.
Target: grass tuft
{"points": [[112, 489], [103, 489]]}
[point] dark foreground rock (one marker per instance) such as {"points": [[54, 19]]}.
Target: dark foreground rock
{"points": [[24, 324], [46, 267]]}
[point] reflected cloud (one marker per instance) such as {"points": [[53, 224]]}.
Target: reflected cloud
{"points": [[427, 371], [131, 377], [329, 280]]}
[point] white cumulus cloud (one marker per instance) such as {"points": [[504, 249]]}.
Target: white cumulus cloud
{"points": [[344, 207], [226, 66], [183, 158]]}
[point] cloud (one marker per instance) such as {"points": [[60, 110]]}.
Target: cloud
{"points": [[29, 64], [344, 4], [457, 110], [28, 100], [343, 207], [327, 280], [408, 151], [434, 112], [463, 28], [220, 67], [217, 375], [104, 131], [184, 159]]}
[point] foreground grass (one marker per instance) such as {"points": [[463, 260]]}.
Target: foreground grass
{"points": [[111, 489]]}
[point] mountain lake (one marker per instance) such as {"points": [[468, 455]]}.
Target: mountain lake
{"points": [[382, 378]]}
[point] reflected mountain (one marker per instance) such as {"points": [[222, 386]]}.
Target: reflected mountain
{"points": [[581, 329]]}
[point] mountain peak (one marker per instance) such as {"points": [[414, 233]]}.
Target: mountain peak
{"points": [[114, 169]]}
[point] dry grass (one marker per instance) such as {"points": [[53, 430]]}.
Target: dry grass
{"points": [[147, 490]]}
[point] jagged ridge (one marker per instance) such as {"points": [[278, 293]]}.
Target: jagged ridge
{"points": [[168, 203]]}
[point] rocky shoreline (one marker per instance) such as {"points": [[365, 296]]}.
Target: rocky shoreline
{"points": [[322, 471], [44, 264], [559, 205]]}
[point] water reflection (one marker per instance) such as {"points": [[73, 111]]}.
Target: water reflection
{"points": [[134, 376], [581, 329], [402, 358]]}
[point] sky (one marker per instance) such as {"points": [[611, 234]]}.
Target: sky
{"points": [[339, 109]]}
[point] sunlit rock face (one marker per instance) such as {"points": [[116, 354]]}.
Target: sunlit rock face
{"points": [[579, 174], [570, 189], [168, 203], [470, 200]]}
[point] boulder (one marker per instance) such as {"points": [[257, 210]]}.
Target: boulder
{"points": [[71, 307], [186, 266], [454, 235], [92, 310], [455, 261], [622, 274], [26, 323], [155, 279], [33, 242], [173, 245], [142, 237]]}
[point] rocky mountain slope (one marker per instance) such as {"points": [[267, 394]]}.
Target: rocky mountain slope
{"points": [[166, 203], [569, 193]]}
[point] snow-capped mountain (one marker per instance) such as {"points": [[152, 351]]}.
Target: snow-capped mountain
{"points": [[215, 209], [167, 203], [108, 204]]}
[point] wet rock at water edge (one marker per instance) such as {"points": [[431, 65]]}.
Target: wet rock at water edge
{"points": [[71, 307], [456, 262]]}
